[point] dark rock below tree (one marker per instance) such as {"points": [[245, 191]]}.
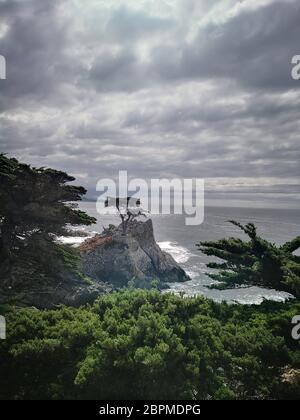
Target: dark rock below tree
{"points": [[137, 258], [71, 292]]}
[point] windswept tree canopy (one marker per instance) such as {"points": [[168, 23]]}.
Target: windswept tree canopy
{"points": [[35, 206], [128, 209], [256, 262]]}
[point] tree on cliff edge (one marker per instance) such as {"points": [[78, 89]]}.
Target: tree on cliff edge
{"points": [[254, 263], [128, 209], [34, 209]]}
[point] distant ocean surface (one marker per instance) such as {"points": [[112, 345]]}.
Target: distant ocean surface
{"points": [[179, 240]]}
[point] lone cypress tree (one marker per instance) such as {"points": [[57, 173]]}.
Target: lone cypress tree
{"points": [[35, 208], [128, 209], [256, 262]]}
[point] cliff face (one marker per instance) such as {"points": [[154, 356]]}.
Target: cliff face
{"points": [[118, 259], [110, 261]]}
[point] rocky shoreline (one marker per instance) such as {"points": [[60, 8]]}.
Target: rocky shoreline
{"points": [[117, 259], [109, 261]]}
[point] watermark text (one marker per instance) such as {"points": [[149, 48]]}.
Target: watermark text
{"points": [[296, 68], [2, 67], [158, 196], [2, 328]]}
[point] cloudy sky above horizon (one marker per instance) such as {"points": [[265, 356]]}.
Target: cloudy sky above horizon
{"points": [[161, 88]]}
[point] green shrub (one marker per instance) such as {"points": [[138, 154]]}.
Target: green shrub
{"points": [[147, 345]]}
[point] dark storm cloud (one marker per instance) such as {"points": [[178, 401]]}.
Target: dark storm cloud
{"points": [[120, 71], [26, 137], [254, 48], [124, 70], [163, 91], [33, 47]]}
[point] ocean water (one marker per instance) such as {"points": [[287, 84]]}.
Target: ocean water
{"points": [[180, 241]]}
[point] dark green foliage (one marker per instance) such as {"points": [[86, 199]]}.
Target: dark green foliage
{"points": [[255, 263], [137, 344], [33, 209], [146, 345]]}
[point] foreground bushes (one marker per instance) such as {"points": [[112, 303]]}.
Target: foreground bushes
{"points": [[145, 345]]}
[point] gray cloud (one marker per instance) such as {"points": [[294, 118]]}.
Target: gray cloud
{"points": [[253, 48], [33, 46], [126, 25], [199, 88], [117, 72]]}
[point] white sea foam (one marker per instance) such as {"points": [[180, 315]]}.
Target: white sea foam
{"points": [[249, 296], [179, 253], [193, 274], [73, 240]]}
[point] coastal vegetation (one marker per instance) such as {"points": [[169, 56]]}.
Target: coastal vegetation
{"points": [[256, 262], [34, 210], [147, 345], [137, 344]]}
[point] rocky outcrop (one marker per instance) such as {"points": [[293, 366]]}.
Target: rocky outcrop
{"points": [[109, 261], [118, 259]]}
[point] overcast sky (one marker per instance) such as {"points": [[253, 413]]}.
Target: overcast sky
{"points": [[162, 88]]}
